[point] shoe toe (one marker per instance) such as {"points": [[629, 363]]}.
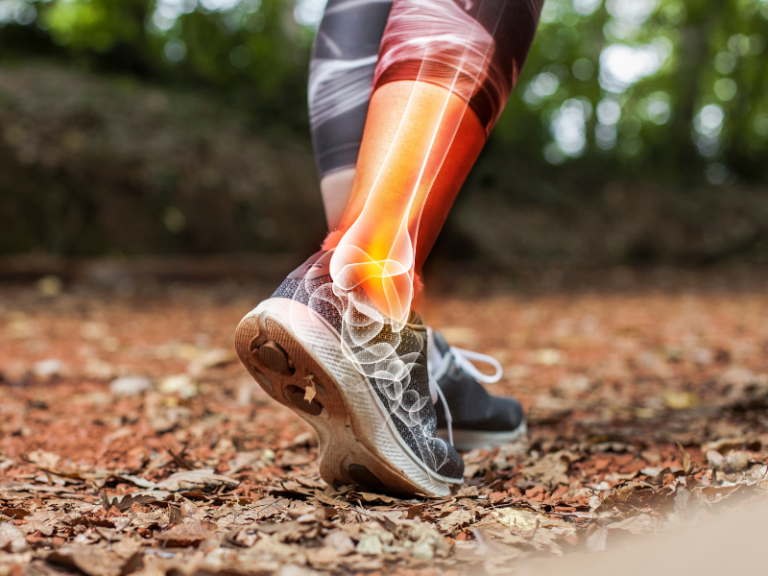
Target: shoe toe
{"points": [[507, 414]]}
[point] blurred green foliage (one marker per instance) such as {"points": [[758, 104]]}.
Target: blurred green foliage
{"points": [[250, 51], [618, 98], [643, 86]]}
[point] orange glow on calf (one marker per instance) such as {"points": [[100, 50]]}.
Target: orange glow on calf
{"points": [[417, 134]]}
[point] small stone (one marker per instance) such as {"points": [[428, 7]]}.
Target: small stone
{"points": [[130, 385], [737, 460], [210, 359], [94, 330], [180, 384], [11, 538], [678, 400], [370, 544], [423, 550], [268, 455], [48, 368], [548, 357], [49, 286], [98, 369]]}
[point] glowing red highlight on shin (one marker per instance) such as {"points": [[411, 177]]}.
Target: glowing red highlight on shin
{"points": [[420, 142]]}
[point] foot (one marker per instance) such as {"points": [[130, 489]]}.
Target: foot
{"points": [[330, 356], [479, 420]]}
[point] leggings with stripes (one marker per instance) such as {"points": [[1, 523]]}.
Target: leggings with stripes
{"points": [[475, 48]]}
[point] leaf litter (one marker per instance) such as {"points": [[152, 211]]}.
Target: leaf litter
{"points": [[634, 430]]}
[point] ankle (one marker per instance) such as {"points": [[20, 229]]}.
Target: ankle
{"points": [[386, 285]]}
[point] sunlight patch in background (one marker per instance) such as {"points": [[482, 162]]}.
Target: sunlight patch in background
{"points": [[628, 57], [622, 65], [608, 114], [656, 108], [219, 5], [707, 126], [175, 50], [586, 7], [569, 129], [627, 17], [17, 11], [167, 12]]}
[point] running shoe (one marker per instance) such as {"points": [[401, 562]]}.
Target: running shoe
{"points": [[470, 417], [361, 383]]}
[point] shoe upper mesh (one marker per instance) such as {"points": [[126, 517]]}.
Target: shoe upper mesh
{"points": [[409, 343]]}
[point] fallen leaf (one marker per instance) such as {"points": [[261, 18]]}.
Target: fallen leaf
{"points": [[204, 479], [596, 540], [210, 359], [190, 534], [130, 385], [631, 497], [370, 544], [677, 400], [737, 461], [91, 560], [340, 541], [44, 459], [552, 469], [11, 538], [640, 524], [724, 445], [310, 392], [15, 513]]}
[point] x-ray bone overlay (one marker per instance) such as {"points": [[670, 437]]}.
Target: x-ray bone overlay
{"points": [[473, 50]]}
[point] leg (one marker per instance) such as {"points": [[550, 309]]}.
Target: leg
{"points": [[444, 73], [419, 144], [316, 345], [341, 75]]}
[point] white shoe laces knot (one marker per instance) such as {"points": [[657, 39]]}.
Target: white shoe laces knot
{"points": [[464, 360]]}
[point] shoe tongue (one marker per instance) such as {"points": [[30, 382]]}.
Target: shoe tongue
{"points": [[438, 357], [440, 343], [317, 265]]}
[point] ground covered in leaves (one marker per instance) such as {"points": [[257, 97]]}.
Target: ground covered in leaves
{"points": [[132, 442]]}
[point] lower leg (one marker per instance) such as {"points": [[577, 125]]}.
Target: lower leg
{"points": [[335, 189], [419, 144], [443, 74]]}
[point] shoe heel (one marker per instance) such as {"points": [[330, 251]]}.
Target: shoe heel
{"points": [[356, 444]]}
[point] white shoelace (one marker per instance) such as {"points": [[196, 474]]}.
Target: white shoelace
{"points": [[463, 359]]}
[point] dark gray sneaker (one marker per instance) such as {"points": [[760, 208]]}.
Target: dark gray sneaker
{"points": [[478, 419], [363, 384]]}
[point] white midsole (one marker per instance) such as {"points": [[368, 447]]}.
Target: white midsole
{"points": [[323, 343], [473, 439]]}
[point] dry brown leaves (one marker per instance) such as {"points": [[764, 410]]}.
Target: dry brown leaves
{"points": [[130, 445]]}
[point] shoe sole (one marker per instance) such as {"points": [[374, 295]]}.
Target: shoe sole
{"points": [[358, 443], [466, 440]]}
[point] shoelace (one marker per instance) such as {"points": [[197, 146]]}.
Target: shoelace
{"points": [[463, 359], [434, 389]]}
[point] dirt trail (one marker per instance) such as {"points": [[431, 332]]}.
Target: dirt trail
{"points": [[131, 442]]}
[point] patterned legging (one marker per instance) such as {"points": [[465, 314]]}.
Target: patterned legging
{"points": [[475, 48]]}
